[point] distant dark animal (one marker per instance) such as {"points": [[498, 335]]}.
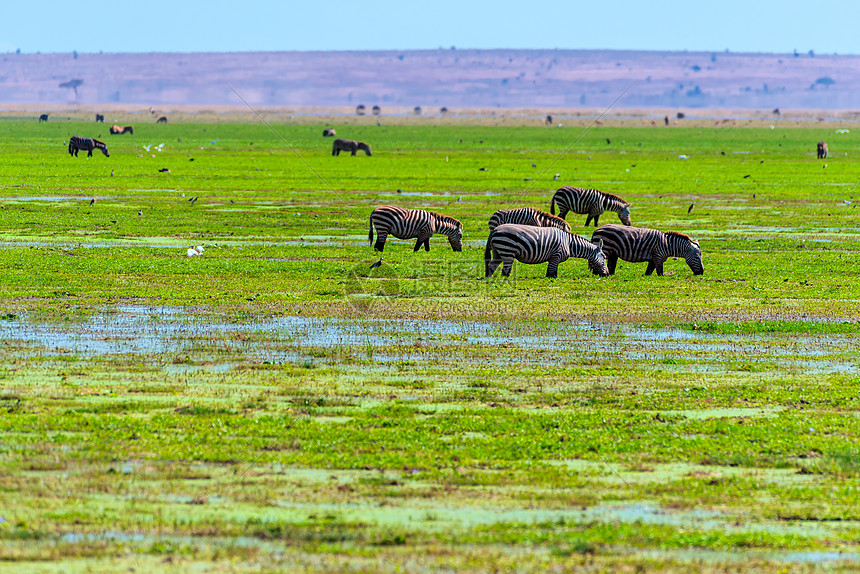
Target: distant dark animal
{"points": [[417, 224], [689, 209], [359, 109], [377, 110], [78, 143], [43, 118], [591, 201], [776, 111], [417, 110], [638, 244], [822, 150], [548, 120], [115, 129], [377, 264], [92, 201], [680, 115], [351, 146], [666, 120], [532, 245], [329, 133], [527, 216], [161, 120], [443, 110], [100, 118]]}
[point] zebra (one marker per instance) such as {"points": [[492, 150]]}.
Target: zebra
{"points": [[100, 118], [548, 120], [77, 143], [329, 133], [822, 150], [529, 244], [115, 129], [161, 120], [353, 146], [637, 244], [527, 216], [359, 109], [405, 223], [43, 118], [590, 201]]}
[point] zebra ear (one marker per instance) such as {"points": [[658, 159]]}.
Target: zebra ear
{"points": [[599, 243]]}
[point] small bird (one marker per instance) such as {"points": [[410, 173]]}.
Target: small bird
{"points": [[533, 164], [746, 176], [231, 201], [140, 212], [482, 169], [556, 176], [377, 264], [753, 196], [146, 147], [92, 201], [111, 173], [164, 170], [689, 209]]}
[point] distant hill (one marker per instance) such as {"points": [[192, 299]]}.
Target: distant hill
{"points": [[451, 78]]}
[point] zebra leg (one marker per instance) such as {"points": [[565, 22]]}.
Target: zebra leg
{"points": [[491, 266], [90, 153], [659, 267], [381, 236], [506, 267], [611, 262], [427, 244], [552, 268], [588, 220], [596, 217], [650, 268]]}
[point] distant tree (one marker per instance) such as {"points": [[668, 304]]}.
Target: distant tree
{"points": [[825, 81], [73, 84], [75, 54]]}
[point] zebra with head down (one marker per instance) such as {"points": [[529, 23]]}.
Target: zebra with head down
{"points": [[527, 216], [638, 244], [78, 143], [417, 224], [590, 201], [529, 244], [351, 146]]}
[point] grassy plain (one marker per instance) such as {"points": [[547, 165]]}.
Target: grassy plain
{"points": [[275, 405]]}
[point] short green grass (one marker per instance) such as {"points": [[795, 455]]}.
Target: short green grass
{"points": [[275, 404]]}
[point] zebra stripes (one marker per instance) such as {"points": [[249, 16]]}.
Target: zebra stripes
{"points": [[405, 223], [638, 244], [78, 143], [527, 216], [591, 201], [529, 244], [352, 146]]}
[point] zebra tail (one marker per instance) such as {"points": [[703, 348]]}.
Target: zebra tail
{"points": [[488, 252], [370, 233], [552, 205]]}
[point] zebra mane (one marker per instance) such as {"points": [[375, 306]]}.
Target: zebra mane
{"points": [[679, 236], [612, 197], [445, 219]]}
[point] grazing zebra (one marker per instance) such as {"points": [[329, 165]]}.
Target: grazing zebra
{"points": [[77, 143], [822, 150], [329, 133], [529, 244], [590, 201], [115, 129], [377, 110], [161, 120], [637, 245], [43, 118], [100, 118], [548, 120], [527, 216], [413, 223], [352, 146], [359, 109]]}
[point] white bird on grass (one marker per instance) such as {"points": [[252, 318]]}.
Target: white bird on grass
{"points": [[194, 251]]}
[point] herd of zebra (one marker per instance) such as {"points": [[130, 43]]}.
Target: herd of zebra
{"points": [[532, 236]]}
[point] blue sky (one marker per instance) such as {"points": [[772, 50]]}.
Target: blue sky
{"points": [[248, 25]]}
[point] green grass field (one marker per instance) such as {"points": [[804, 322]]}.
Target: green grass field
{"points": [[276, 405]]}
